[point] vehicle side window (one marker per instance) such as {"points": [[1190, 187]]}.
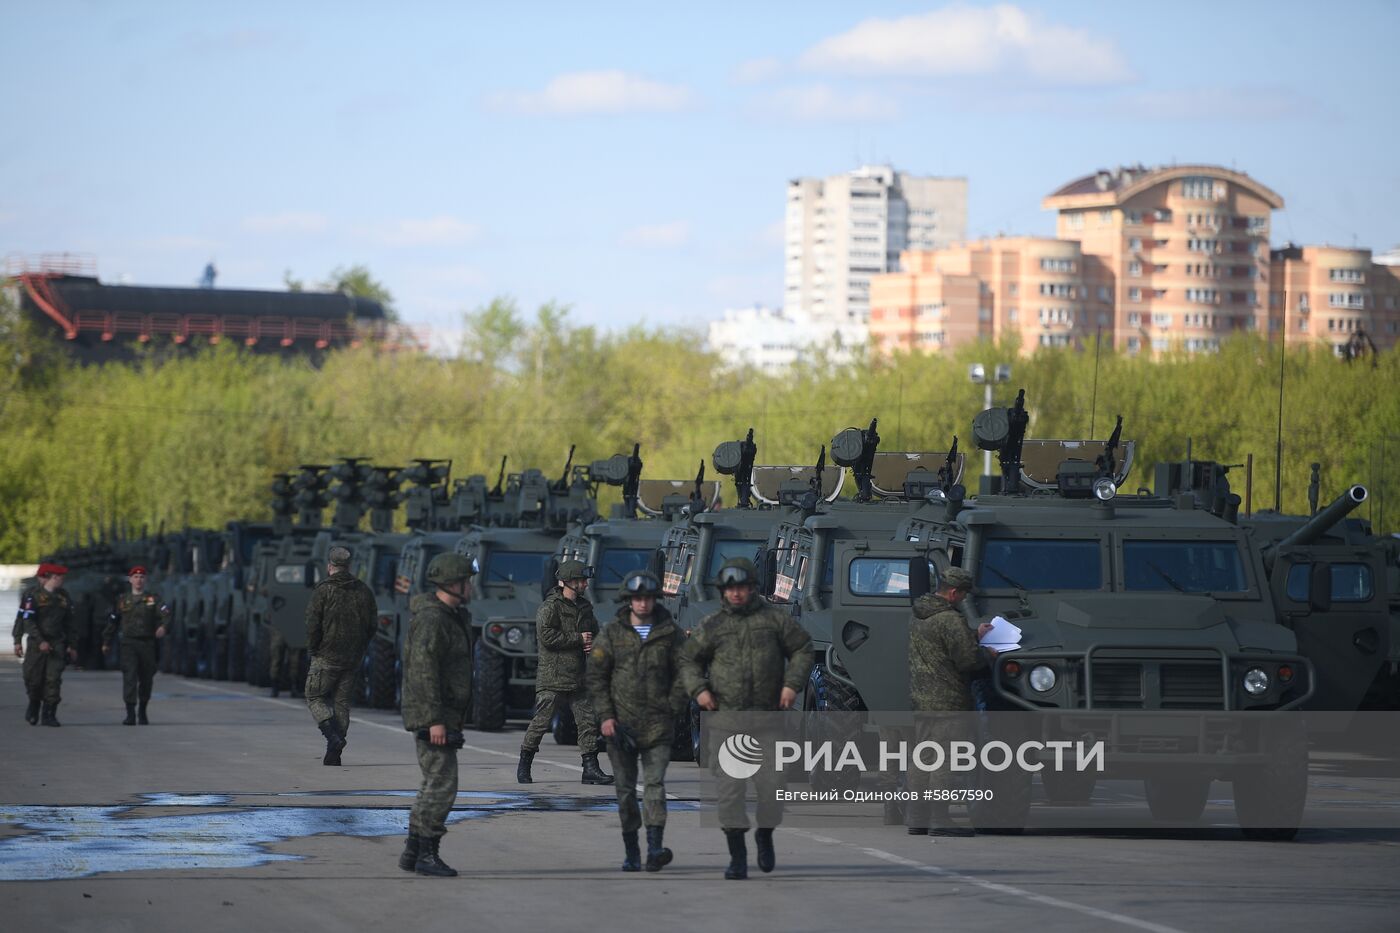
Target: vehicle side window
{"points": [[1351, 583], [879, 576]]}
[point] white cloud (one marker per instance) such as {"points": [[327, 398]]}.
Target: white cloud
{"points": [[443, 230], [756, 70], [596, 92], [964, 40], [658, 236], [286, 222], [821, 102]]}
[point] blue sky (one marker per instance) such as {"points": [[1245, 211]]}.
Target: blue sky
{"points": [[630, 160]]}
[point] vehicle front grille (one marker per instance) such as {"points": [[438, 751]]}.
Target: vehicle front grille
{"points": [[1192, 686], [1117, 685]]}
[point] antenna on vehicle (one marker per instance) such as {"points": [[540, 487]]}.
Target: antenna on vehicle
{"points": [[1094, 398], [1278, 444]]}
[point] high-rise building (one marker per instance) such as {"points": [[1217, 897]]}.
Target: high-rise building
{"points": [[1334, 294], [843, 229]]}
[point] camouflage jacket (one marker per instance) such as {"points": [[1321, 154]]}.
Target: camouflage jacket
{"points": [[45, 616], [559, 624], [638, 682], [943, 653], [136, 616], [752, 653], [340, 619], [437, 665]]}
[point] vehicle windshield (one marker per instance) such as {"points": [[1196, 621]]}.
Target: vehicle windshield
{"points": [[515, 566], [724, 550], [385, 562], [880, 576], [248, 542], [1039, 564], [1184, 566], [615, 563]]}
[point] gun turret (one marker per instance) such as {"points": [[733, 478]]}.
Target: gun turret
{"points": [[855, 448], [697, 498], [1319, 524], [948, 473], [735, 458]]}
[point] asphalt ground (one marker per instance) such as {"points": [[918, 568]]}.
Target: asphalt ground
{"points": [[220, 816]]}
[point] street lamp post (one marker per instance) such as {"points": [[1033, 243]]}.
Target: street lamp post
{"points": [[978, 374]]}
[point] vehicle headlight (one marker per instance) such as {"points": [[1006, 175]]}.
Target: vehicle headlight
{"points": [[514, 635], [1042, 678], [1104, 489], [1255, 682]]}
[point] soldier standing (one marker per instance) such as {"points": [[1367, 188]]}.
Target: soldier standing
{"points": [[758, 658], [633, 677], [340, 621], [564, 626], [437, 689], [46, 616], [141, 618], [943, 655]]}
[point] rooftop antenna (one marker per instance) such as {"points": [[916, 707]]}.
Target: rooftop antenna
{"points": [[1094, 403], [1278, 444]]}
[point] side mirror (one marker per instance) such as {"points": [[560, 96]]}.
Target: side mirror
{"points": [[920, 577], [657, 564], [769, 582], [551, 567], [1320, 587], [311, 570]]}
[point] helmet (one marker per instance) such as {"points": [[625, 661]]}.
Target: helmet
{"points": [[639, 583], [572, 570], [736, 571], [449, 568]]}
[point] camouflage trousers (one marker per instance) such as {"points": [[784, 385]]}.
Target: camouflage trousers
{"points": [[732, 793], [438, 791], [328, 691], [653, 763], [43, 673], [931, 727], [546, 702], [138, 663]]}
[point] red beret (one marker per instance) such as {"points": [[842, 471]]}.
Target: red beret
{"points": [[47, 569], [135, 570]]}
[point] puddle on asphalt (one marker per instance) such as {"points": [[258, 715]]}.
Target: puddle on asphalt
{"points": [[74, 842]]}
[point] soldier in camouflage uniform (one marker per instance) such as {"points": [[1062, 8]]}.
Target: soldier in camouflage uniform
{"points": [[943, 655], [437, 689], [141, 618], [564, 627], [633, 678], [748, 656], [340, 621], [46, 616]]}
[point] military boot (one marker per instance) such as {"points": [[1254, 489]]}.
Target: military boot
{"points": [[658, 856], [522, 769], [738, 868], [763, 841], [632, 860], [50, 715], [31, 715], [141, 714], [429, 863], [408, 860], [592, 774], [334, 741], [130, 719]]}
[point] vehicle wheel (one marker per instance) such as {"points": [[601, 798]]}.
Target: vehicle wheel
{"points": [[381, 674], [261, 674], [488, 688], [1068, 786], [237, 653], [221, 657], [1177, 799], [825, 696], [1269, 799], [564, 728]]}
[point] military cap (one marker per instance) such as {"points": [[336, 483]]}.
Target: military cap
{"points": [[449, 568], [572, 570], [340, 556], [47, 569], [135, 570], [737, 571], [959, 578]]}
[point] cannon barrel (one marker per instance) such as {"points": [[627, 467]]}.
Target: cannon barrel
{"points": [[1318, 525]]}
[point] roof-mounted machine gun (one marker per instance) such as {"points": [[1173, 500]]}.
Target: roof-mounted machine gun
{"points": [[735, 458], [856, 449]]}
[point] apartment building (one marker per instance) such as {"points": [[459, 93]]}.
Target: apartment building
{"points": [[1342, 296]]}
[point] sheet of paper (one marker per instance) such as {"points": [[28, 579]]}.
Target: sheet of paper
{"points": [[1002, 636]]}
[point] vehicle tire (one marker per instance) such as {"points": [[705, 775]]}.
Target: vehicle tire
{"points": [[261, 675], [825, 694], [237, 653], [563, 727], [1068, 786], [221, 656], [381, 674], [1177, 799], [488, 688], [1269, 799]]}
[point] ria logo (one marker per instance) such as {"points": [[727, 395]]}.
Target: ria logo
{"points": [[740, 756]]}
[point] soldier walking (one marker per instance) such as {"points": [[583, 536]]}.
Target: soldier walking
{"points": [[564, 626], [633, 678], [46, 616], [758, 658], [437, 690], [141, 618], [943, 655], [340, 621]]}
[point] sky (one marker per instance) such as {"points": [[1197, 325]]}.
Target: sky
{"points": [[630, 160]]}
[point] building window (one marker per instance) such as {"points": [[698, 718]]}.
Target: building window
{"points": [[1159, 293], [1203, 246], [1074, 220], [1159, 244], [1198, 188], [1135, 268], [1103, 293], [1135, 294], [1161, 320], [1159, 267], [1057, 265], [1346, 300], [1134, 344], [1160, 344], [1057, 289], [1303, 302], [1303, 324], [1133, 217], [1012, 314], [1345, 275], [1105, 218], [1205, 296], [1135, 243], [1134, 319], [1013, 289]]}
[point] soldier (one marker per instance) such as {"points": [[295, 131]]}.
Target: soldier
{"points": [[340, 621], [633, 677], [46, 616], [141, 617], [564, 626], [437, 689], [943, 655], [758, 658]]}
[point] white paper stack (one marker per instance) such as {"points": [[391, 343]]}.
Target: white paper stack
{"points": [[1003, 636]]}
